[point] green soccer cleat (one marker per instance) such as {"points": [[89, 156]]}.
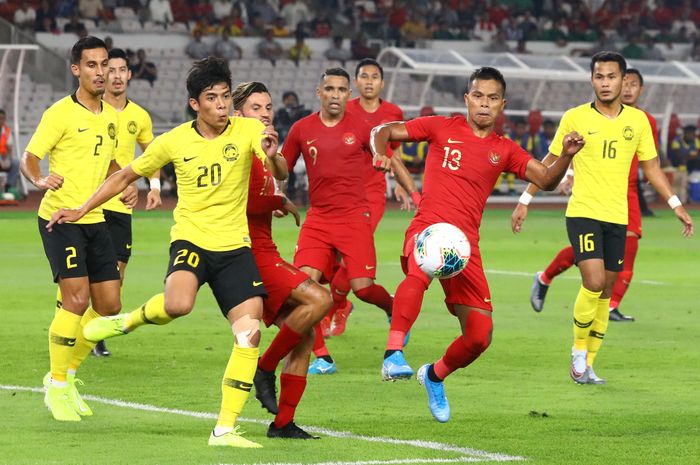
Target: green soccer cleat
{"points": [[233, 438], [105, 327], [76, 400], [57, 400]]}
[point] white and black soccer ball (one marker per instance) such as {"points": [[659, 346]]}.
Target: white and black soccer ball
{"points": [[442, 250]]}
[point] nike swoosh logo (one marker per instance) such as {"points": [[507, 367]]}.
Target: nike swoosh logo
{"points": [[450, 141], [309, 142], [619, 262], [186, 159], [128, 246], [83, 129], [369, 267], [487, 300], [590, 133], [256, 283]]}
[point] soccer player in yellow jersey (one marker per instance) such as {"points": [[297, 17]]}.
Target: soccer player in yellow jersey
{"points": [[79, 134], [209, 240], [134, 126], [596, 217]]}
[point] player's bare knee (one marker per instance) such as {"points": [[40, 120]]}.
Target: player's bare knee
{"points": [[109, 308], [177, 309], [77, 302], [246, 331]]}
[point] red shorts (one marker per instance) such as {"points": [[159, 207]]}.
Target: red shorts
{"points": [[634, 214], [469, 288], [320, 244], [377, 203], [279, 278]]}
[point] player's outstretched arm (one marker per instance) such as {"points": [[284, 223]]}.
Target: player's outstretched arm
{"points": [[275, 161], [29, 165], [378, 139], [658, 179], [405, 180], [153, 199], [112, 186], [130, 196]]}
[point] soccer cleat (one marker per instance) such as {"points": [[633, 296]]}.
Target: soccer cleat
{"points": [[406, 338], [593, 378], [616, 315], [395, 367], [321, 367], [288, 431], [538, 293], [105, 327], [58, 402], [100, 350], [578, 371], [75, 399], [437, 401], [325, 324], [340, 319], [265, 390], [233, 438]]}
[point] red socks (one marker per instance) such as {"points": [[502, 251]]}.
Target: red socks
{"points": [[562, 262], [466, 348], [291, 389], [407, 304], [625, 277], [376, 295], [320, 349], [340, 286], [281, 345]]}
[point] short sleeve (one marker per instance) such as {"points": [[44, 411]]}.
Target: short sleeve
{"points": [[291, 149], [646, 150], [156, 156], [518, 160], [47, 134], [425, 127], [256, 136], [146, 134], [564, 128]]}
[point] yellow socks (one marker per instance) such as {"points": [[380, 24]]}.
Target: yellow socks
{"points": [[598, 328], [236, 385], [585, 310], [59, 300], [82, 345], [152, 313], [63, 333]]}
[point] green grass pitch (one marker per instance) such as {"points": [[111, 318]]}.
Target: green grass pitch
{"points": [[516, 401]]}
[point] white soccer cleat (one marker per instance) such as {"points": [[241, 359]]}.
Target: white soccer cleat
{"points": [[578, 370]]}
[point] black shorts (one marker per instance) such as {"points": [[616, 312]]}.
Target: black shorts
{"points": [[119, 225], [597, 239], [232, 276], [78, 250]]}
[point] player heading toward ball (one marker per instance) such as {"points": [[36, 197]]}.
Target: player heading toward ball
{"points": [[463, 163]]}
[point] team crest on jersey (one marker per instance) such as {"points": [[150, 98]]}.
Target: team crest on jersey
{"points": [[112, 131], [230, 152], [349, 138], [494, 158], [628, 133], [131, 127]]}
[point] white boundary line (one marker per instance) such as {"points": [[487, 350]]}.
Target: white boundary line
{"points": [[476, 455]]}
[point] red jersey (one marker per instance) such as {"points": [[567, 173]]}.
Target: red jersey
{"points": [[634, 169], [335, 160], [386, 113], [461, 170], [262, 201]]}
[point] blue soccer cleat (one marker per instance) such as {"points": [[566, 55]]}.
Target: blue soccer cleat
{"points": [[321, 367], [406, 338], [396, 367], [437, 401]]}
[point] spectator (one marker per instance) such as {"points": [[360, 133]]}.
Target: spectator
{"points": [[602, 44], [236, 18], [45, 18], [256, 28], [484, 29], [109, 43], [321, 27], [266, 10], [414, 30], [360, 49], [197, 49], [74, 25], [25, 16], [662, 15], [650, 52], [289, 114], [161, 12], [443, 31], [299, 51], [498, 43], [513, 32], [221, 9], [8, 162], [685, 157], [527, 25], [202, 9], [684, 22], [294, 13], [230, 25], [91, 9], [632, 50], [143, 69], [226, 48], [204, 26], [66, 8], [279, 28], [544, 139], [269, 48], [337, 52], [521, 47]]}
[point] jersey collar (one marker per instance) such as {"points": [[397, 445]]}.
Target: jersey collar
{"points": [[194, 126], [622, 107], [74, 97]]}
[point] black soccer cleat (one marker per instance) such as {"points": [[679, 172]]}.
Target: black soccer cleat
{"points": [[538, 292], [288, 431], [101, 350], [265, 390], [616, 315]]}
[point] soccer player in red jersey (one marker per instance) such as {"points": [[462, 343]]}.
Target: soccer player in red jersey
{"points": [[369, 81], [464, 161], [632, 87], [295, 302], [335, 147]]}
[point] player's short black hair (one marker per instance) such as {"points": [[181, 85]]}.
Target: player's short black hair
{"points": [[368, 62], [206, 73], [636, 72], [86, 43], [335, 72], [607, 56], [244, 90], [486, 73], [118, 53]]}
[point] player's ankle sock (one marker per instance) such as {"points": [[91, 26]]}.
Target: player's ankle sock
{"points": [[221, 430], [281, 345], [151, 313], [597, 332], [59, 300], [620, 288], [562, 262], [235, 387], [407, 304], [327, 358], [340, 286], [396, 339], [432, 376], [62, 337], [376, 295], [389, 353], [82, 346], [319, 347], [584, 312], [466, 348], [291, 389]]}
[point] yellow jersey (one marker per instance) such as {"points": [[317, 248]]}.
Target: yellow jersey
{"points": [[602, 166], [134, 126], [212, 180], [80, 145]]}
